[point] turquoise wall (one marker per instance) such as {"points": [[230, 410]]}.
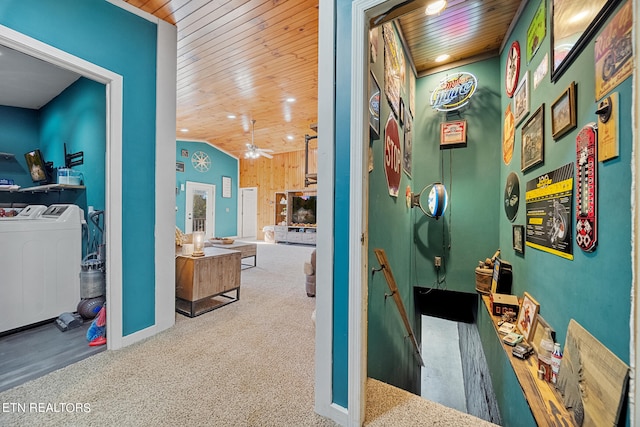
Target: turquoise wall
{"points": [[222, 164], [594, 288], [76, 116], [390, 356], [112, 38], [565, 289], [20, 130], [468, 231]]}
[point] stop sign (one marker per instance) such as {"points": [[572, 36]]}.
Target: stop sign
{"points": [[392, 155]]}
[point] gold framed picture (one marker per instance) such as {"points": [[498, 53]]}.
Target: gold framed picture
{"points": [[563, 112], [527, 316]]}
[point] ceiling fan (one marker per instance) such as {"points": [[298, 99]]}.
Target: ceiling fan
{"points": [[253, 152]]}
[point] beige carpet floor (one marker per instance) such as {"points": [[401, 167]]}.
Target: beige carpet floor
{"points": [[250, 363]]}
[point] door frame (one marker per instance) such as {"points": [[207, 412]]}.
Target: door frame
{"points": [[193, 185], [241, 211], [165, 196]]}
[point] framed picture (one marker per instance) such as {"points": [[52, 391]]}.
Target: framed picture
{"points": [[226, 187], [532, 149], [401, 112], [537, 30], [179, 166], [518, 238], [184, 153], [374, 106], [563, 112], [527, 316], [562, 29], [453, 134], [521, 99], [538, 333]]}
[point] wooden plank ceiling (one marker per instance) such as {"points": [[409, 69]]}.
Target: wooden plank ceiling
{"points": [[246, 58]]}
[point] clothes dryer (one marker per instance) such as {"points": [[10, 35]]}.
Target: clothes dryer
{"points": [[40, 266]]}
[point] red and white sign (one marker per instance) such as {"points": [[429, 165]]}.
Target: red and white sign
{"points": [[392, 155]]}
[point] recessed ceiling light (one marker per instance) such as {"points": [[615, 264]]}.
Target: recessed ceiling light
{"points": [[290, 137], [184, 130], [291, 100], [435, 7], [231, 116], [442, 57]]}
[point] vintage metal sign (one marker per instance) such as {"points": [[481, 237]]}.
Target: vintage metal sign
{"points": [[392, 155], [454, 91]]}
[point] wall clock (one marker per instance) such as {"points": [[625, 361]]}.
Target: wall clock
{"points": [[201, 161], [513, 69]]}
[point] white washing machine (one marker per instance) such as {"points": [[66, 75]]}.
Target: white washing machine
{"points": [[29, 212], [40, 266]]}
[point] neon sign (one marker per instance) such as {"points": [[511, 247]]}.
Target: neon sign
{"points": [[454, 91]]}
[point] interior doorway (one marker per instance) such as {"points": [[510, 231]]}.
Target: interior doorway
{"points": [[200, 208], [248, 212]]}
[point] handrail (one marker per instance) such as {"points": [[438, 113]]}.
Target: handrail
{"points": [[391, 281]]}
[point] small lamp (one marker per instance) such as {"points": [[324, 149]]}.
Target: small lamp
{"points": [[198, 243], [436, 202]]}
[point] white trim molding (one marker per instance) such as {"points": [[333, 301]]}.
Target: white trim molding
{"points": [[634, 356], [165, 202], [325, 240]]}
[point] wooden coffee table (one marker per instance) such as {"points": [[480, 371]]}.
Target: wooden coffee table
{"points": [[246, 249]]}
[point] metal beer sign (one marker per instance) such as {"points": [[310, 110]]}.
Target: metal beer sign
{"points": [[392, 155], [454, 91]]}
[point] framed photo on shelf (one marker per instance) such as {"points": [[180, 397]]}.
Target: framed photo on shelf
{"points": [[532, 141], [453, 134], [563, 112], [538, 333], [518, 238], [527, 316], [374, 106], [521, 99]]}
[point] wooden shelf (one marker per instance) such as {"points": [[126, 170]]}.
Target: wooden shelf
{"points": [[544, 400], [6, 156]]}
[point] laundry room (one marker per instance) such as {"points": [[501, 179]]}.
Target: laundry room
{"points": [[52, 207]]}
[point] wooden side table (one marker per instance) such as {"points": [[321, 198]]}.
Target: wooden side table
{"points": [[207, 282]]}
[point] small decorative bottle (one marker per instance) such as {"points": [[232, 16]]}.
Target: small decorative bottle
{"points": [[556, 358], [545, 356]]}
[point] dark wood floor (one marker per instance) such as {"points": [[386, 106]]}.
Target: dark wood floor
{"points": [[34, 352]]}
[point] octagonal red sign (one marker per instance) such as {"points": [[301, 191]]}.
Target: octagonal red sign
{"points": [[392, 155]]}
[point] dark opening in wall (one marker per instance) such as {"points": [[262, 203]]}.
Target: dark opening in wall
{"points": [[450, 305]]}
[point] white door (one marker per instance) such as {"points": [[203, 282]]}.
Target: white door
{"points": [[249, 212], [200, 208]]}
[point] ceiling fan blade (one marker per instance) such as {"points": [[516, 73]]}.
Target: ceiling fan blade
{"points": [[262, 153], [268, 150]]}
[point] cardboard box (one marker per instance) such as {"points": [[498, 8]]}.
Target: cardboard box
{"points": [[503, 303]]}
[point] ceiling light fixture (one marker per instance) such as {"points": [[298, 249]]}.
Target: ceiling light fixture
{"points": [[231, 116], [253, 152], [443, 57], [291, 100], [435, 7], [184, 130], [290, 137]]}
